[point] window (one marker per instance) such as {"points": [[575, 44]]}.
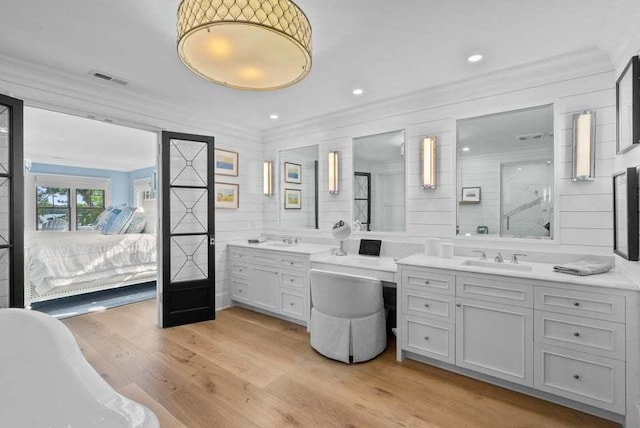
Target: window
{"points": [[53, 209], [89, 205], [65, 202]]}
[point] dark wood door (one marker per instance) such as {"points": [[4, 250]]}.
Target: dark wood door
{"points": [[11, 203], [188, 239]]}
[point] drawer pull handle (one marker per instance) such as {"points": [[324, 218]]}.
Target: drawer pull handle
{"points": [[426, 282], [291, 263], [239, 270], [426, 305], [576, 334], [576, 377], [291, 280], [426, 338], [458, 305], [291, 303], [576, 303]]}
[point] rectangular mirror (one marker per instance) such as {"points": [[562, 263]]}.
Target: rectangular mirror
{"points": [[298, 180], [379, 182], [505, 174]]}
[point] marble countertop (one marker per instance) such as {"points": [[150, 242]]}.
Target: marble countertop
{"points": [[387, 264], [539, 271], [300, 248]]}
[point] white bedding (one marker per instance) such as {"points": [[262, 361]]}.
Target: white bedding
{"points": [[57, 259]]}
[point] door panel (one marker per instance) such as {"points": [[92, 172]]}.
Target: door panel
{"points": [[188, 253], [11, 203]]}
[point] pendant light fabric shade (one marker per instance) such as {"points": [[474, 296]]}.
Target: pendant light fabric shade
{"points": [[245, 44]]}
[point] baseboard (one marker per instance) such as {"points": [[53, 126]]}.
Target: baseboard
{"points": [[223, 300]]}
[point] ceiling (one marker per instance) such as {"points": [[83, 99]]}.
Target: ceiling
{"points": [[62, 139], [387, 48]]}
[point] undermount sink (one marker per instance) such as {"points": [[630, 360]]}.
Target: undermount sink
{"points": [[495, 265]]}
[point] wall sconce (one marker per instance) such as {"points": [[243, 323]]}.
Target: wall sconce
{"points": [[334, 175], [267, 178], [584, 146], [428, 159]]}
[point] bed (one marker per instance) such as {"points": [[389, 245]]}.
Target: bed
{"points": [[61, 264]]}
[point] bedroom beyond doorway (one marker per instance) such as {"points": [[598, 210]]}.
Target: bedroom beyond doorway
{"points": [[90, 212]]}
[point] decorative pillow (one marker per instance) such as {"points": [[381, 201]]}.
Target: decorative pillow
{"points": [[137, 223], [117, 220], [99, 224]]}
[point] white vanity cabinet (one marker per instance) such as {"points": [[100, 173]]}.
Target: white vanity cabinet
{"points": [[575, 342], [276, 282]]}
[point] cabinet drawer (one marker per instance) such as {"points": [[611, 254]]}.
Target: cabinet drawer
{"points": [[491, 290], [293, 262], [240, 270], [434, 339], [597, 337], [582, 303], [432, 305], [239, 290], [264, 258], [292, 304], [581, 377], [296, 280], [428, 281], [239, 254]]}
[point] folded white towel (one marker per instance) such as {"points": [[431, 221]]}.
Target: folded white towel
{"points": [[584, 267]]}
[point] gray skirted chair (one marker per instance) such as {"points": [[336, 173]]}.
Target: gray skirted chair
{"points": [[347, 316]]}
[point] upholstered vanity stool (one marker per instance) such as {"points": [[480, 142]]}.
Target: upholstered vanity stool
{"points": [[347, 317]]}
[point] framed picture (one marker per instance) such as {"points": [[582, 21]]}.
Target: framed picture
{"points": [[227, 196], [292, 199], [292, 173], [470, 195], [625, 214], [226, 162], [628, 107]]}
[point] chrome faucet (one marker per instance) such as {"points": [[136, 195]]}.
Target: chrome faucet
{"points": [[483, 256], [499, 258], [514, 258]]}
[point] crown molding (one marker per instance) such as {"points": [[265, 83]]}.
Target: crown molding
{"points": [[55, 90], [573, 65]]}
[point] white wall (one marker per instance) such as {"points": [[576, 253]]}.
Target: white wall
{"points": [[49, 89], [632, 157], [572, 83]]}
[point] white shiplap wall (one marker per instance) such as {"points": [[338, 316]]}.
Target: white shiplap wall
{"points": [[45, 88], [632, 157], [573, 83]]}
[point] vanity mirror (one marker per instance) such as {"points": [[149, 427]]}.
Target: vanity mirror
{"points": [[379, 182], [508, 159], [298, 190]]}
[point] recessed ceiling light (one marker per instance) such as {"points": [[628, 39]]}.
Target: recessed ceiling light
{"points": [[274, 117], [474, 58], [465, 149], [4, 130], [358, 91]]}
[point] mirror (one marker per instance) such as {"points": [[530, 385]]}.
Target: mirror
{"points": [[299, 188], [505, 174], [379, 182]]}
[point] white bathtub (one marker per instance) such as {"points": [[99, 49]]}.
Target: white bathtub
{"points": [[45, 380]]}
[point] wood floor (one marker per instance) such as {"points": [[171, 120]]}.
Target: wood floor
{"points": [[246, 370]]}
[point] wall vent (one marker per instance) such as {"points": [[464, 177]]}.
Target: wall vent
{"points": [[107, 77], [536, 136]]}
